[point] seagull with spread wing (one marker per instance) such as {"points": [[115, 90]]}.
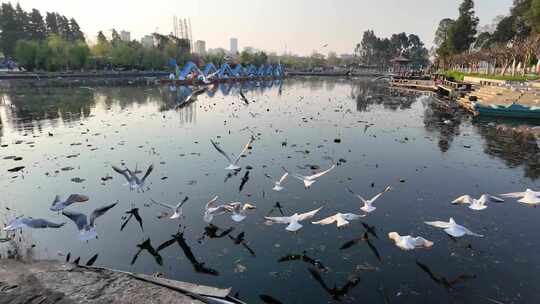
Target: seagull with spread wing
{"points": [[341, 219], [239, 210], [176, 211], [233, 164], [453, 229], [212, 209], [133, 181], [59, 205], [277, 183], [368, 204], [87, 228], [529, 197], [311, 179], [29, 222], [407, 242], [477, 204], [294, 220]]}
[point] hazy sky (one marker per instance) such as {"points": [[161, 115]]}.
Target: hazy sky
{"points": [[300, 25]]}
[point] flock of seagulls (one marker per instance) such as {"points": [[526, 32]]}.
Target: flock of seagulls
{"points": [[238, 211]]}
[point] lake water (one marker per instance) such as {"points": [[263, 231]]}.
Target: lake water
{"points": [[376, 135]]}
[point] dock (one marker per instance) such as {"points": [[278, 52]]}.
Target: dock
{"points": [[442, 87], [496, 99], [56, 282]]}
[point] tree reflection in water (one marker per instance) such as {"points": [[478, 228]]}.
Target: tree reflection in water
{"points": [[516, 145]]}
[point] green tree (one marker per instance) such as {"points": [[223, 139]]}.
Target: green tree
{"points": [[8, 29], [483, 41], [461, 34], [75, 33], [152, 59], [36, 26], [63, 27], [504, 32], [51, 24], [115, 40], [123, 55], [25, 54], [22, 22], [78, 55], [442, 31], [59, 53]]}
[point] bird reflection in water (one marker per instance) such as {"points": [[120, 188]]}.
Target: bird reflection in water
{"points": [[181, 241], [214, 232], [337, 293], [147, 246]]}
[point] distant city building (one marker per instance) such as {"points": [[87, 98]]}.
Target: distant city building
{"points": [[125, 36], [346, 56], [200, 47], [147, 41], [234, 45]]}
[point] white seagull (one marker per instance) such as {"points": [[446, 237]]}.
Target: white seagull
{"points": [[239, 210], [211, 209], [133, 181], [59, 205], [309, 180], [528, 197], [233, 165], [368, 204], [477, 204], [407, 242], [294, 220], [176, 210], [342, 219], [277, 183], [453, 229], [22, 222], [87, 229]]}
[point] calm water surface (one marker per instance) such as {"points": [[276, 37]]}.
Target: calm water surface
{"points": [[377, 137]]}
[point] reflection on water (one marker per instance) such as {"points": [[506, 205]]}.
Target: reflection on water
{"points": [[64, 141]]}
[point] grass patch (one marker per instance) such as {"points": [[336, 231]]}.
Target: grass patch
{"points": [[459, 76]]}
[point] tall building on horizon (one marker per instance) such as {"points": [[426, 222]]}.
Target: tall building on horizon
{"points": [[125, 36], [234, 45], [200, 47], [147, 41]]}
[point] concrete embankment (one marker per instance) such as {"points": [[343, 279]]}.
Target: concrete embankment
{"points": [[54, 282]]}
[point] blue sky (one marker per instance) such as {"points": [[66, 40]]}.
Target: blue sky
{"points": [[300, 25]]}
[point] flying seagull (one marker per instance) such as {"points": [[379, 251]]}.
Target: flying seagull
{"points": [[87, 229], [233, 165], [528, 197], [29, 222], [239, 210], [277, 183], [368, 204], [342, 219], [477, 204], [176, 211], [59, 205], [294, 220], [453, 229], [211, 209], [133, 181], [309, 180], [407, 242]]}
